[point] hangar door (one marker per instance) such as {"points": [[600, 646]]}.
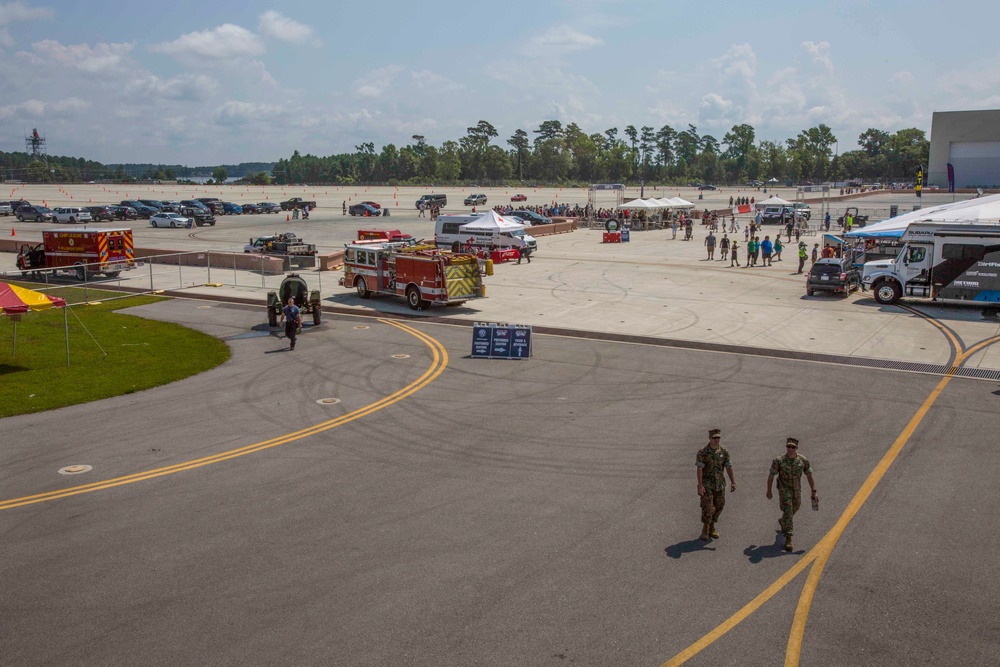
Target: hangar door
{"points": [[977, 163]]}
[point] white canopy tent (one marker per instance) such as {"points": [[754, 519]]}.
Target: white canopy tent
{"points": [[979, 211], [640, 204], [492, 220], [774, 200]]}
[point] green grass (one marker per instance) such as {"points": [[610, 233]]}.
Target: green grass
{"points": [[140, 353]]}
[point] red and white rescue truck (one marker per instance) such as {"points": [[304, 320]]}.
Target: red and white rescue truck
{"points": [[83, 252], [422, 274]]}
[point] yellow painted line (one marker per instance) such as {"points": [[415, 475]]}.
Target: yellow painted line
{"points": [[818, 555], [795, 636], [438, 364]]}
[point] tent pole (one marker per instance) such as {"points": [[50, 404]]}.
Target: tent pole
{"points": [[66, 327], [13, 345]]}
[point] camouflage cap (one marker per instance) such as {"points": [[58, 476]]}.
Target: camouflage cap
{"points": [[715, 433], [793, 441]]}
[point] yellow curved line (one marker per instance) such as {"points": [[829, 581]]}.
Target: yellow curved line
{"points": [[818, 555], [438, 364], [795, 636]]}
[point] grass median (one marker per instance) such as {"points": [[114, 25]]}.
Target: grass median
{"points": [[110, 353]]}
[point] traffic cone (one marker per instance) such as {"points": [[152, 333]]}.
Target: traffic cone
{"points": [[288, 217], [12, 232]]}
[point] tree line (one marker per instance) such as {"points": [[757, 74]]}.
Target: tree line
{"points": [[21, 166], [558, 154]]}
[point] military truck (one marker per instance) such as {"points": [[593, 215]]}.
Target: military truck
{"points": [[294, 286], [287, 243]]}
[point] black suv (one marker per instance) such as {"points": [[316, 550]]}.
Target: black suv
{"points": [[192, 208], [99, 213], [439, 200], [833, 274]]}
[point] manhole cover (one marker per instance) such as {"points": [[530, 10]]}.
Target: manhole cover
{"points": [[400, 356], [328, 401], [75, 470]]}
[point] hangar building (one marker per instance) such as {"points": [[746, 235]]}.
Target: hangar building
{"points": [[970, 142]]}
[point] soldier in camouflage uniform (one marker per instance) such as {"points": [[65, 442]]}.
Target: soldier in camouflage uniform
{"points": [[789, 470], [709, 464]]}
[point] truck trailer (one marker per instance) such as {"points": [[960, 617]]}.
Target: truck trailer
{"points": [[940, 261]]}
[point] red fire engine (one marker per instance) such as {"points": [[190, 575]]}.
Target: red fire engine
{"points": [[84, 252], [422, 274]]}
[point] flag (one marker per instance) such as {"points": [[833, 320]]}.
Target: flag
{"points": [[951, 178], [920, 179]]}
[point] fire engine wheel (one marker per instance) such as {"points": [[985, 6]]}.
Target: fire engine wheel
{"points": [[113, 274], [887, 292], [362, 287], [317, 315], [272, 317], [81, 272], [413, 299]]}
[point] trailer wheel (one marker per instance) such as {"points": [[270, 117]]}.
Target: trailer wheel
{"points": [[887, 292], [413, 299], [317, 315], [362, 287], [272, 317]]}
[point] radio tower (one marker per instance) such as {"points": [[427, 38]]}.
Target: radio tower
{"points": [[34, 144]]}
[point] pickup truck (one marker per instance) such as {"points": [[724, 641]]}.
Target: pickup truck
{"points": [[280, 244], [296, 202]]}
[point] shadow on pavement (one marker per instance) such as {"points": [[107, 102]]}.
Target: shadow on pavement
{"points": [[687, 547], [757, 554]]}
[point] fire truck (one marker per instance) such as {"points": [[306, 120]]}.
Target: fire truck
{"points": [[422, 274], [82, 252]]}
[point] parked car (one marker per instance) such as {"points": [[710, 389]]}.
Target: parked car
{"points": [[832, 274], [229, 208], [363, 210], [16, 204], [170, 207], [140, 208], [531, 217], [71, 215], [476, 199], [214, 204], [773, 215], [802, 209], [5, 209], [373, 204], [153, 203], [268, 207], [169, 220], [439, 200], [124, 212], [707, 187], [36, 213], [519, 198], [192, 208], [250, 208], [98, 213]]}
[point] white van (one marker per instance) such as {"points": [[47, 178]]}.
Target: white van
{"points": [[71, 215], [446, 232]]}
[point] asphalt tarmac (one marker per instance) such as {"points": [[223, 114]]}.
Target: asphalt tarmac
{"points": [[455, 511]]}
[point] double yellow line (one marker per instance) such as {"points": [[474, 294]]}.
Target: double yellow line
{"points": [[817, 556], [438, 364]]}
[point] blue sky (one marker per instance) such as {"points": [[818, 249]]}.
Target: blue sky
{"points": [[202, 83]]}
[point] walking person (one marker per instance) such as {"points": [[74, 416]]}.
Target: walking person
{"points": [[789, 470], [826, 222], [673, 228], [778, 247], [815, 253], [710, 462], [291, 316], [710, 245], [525, 252], [734, 254], [803, 254], [343, 207], [766, 248], [723, 247]]}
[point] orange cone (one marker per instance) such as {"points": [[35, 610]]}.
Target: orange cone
{"points": [[288, 217], [12, 232]]}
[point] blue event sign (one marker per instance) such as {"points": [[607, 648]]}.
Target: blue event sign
{"points": [[501, 341]]}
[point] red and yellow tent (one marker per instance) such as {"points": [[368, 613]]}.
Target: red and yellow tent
{"points": [[14, 299]]}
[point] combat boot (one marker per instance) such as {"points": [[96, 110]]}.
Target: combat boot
{"points": [[704, 532], [788, 543], [712, 531]]}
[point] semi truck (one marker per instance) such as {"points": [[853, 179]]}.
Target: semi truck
{"points": [[422, 274], [940, 261], [84, 253]]}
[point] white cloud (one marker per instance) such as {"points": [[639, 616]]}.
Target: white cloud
{"points": [[559, 40], [376, 83], [235, 112], [97, 59], [190, 87], [278, 26], [225, 42], [68, 106], [820, 53], [902, 77], [428, 80], [16, 11], [738, 64]]}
